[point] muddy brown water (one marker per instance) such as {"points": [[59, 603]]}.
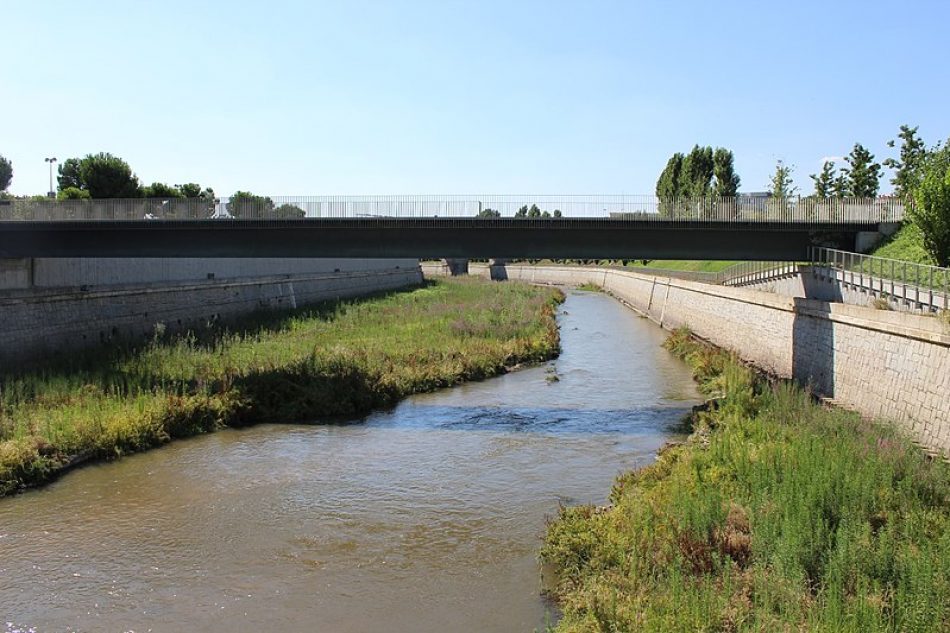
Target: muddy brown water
{"points": [[428, 517]]}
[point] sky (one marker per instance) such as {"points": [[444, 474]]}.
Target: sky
{"points": [[296, 97]]}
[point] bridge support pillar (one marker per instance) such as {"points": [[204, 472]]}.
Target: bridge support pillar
{"points": [[456, 266], [16, 274], [497, 270]]}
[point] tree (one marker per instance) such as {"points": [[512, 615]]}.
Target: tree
{"points": [[102, 175], [73, 193], [825, 180], [862, 173], [667, 185], [558, 214], [932, 209], [841, 187], [106, 176], [907, 169], [522, 212], [161, 190], [6, 173], [701, 173], [696, 173], [726, 180], [244, 204], [194, 190], [780, 184], [69, 177], [289, 212], [489, 213], [534, 211]]}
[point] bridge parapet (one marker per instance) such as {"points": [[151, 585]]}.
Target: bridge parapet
{"points": [[487, 207]]}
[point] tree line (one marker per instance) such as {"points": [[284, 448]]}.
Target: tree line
{"points": [[105, 176], [921, 179], [534, 211]]}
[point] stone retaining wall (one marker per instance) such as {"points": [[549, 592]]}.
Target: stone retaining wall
{"points": [[64, 272], [38, 322], [887, 365]]}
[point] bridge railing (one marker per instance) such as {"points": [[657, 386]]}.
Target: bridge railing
{"points": [[924, 286], [752, 272], [618, 208], [919, 286]]}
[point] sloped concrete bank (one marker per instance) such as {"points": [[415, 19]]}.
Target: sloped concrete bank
{"points": [[41, 321], [886, 365]]}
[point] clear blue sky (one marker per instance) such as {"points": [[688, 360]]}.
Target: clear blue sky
{"points": [[293, 97]]}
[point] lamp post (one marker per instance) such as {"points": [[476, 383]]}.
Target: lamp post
{"points": [[50, 160]]}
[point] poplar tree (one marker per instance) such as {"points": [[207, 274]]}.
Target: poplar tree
{"points": [[667, 186], [726, 183], [697, 172], [862, 173]]}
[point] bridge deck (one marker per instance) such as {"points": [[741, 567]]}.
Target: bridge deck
{"points": [[432, 237]]}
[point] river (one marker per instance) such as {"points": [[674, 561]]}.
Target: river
{"points": [[424, 518]]}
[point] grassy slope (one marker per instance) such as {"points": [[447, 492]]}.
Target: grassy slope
{"points": [[320, 363], [777, 515], [905, 245]]}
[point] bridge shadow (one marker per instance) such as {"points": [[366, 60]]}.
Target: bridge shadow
{"points": [[498, 272], [820, 287], [813, 347]]}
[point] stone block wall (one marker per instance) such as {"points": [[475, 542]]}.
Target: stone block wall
{"points": [[45, 272], [885, 365]]}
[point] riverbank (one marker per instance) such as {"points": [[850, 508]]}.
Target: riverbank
{"points": [[330, 362], [777, 514]]}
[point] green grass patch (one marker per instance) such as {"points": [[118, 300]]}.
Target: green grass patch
{"points": [[686, 265], [778, 514], [324, 363], [907, 245], [590, 287]]}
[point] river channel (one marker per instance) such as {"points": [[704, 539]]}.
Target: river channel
{"points": [[424, 518]]}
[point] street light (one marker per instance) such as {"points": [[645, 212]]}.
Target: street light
{"points": [[51, 160]]}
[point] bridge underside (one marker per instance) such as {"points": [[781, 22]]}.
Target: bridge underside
{"points": [[425, 238]]}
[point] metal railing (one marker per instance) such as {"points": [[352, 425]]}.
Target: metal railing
{"points": [[640, 208], [923, 286], [918, 286], [745, 273]]}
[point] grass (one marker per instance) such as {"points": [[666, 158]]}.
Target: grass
{"points": [[907, 245], [687, 265], [778, 514], [590, 287], [333, 361], [904, 246]]}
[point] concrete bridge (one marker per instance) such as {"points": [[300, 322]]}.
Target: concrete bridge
{"points": [[420, 228]]}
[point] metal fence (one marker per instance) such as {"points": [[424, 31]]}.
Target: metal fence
{"points": [[918, 286], [745, 273], [926, 287], [613, 207]]}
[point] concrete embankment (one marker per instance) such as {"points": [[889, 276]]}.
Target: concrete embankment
{"points": [[61, 305], [882, 364]]}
